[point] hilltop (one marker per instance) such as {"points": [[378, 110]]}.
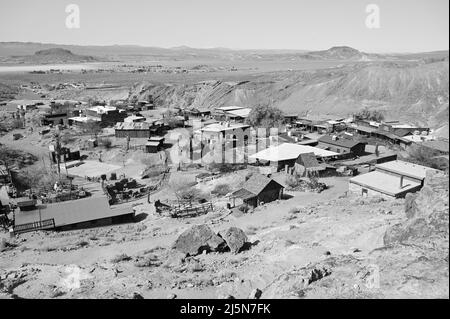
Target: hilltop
{"points": [[52, 55]]}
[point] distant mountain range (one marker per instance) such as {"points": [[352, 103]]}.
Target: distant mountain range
{"points": [[25, 51]]}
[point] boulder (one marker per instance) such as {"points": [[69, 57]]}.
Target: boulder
{"points": [[426, 212], [235, 238], [197, 239]]}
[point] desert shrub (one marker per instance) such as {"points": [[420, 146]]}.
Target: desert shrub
{"points": [[221, 189], [153, 170], [147, 261], [39, 180], [67, 138], [294, 210], [249, 175], [370, 115], [82, 243], [251, 230], [293, 181], [424, 156], [92, 127], [105, 142], [192, 194], [120, 258], [195, 266], [244, 208], [265, 116]]}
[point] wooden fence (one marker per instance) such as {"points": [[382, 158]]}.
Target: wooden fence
{"points": [[42, 224]]}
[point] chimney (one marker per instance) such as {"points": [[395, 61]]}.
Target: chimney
{"points": [[401, 181]]}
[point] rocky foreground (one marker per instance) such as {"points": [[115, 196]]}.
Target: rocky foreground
{"points": [[335, 246]]}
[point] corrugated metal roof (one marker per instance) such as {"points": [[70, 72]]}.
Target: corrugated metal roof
{"points": [[132, 126], [72, 212], [308, 160], [289, 151], [257, 182]]}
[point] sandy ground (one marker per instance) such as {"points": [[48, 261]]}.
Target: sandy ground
{"points": [[326, 222]]}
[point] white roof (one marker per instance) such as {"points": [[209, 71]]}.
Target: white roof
{"points": [[229, 108], [217, 127], [133, 118], [102, 109], [84, 119], [240, 112], [419, 138], [288, 151], [382, 182], [404, 126], [405, 168]]}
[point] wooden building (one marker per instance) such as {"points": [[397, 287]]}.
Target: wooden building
{"points": [[154, 144], [342, 145], [390, 179], [258, 189]]}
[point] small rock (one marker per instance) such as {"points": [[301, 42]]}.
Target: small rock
{"points": [[137, 296], [172, 296], [255, 294]]}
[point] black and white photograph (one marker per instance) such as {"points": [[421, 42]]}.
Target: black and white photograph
{"points": [[199, 150]]}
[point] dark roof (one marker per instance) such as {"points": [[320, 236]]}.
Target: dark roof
{"points": [[308, 160], [74, 211], [364, 128], [198, 110], [392, 136], [243, 194], [255, 185], [402, 132], [343, 142]]}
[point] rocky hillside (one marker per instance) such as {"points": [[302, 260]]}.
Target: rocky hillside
{"points": [[412, 91], [340, 53], [413, 263]]}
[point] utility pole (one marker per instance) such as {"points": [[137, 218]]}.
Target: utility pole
{"points": [[58, 152]]}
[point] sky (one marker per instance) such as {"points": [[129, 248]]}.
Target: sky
{"points": [[404, 25]]}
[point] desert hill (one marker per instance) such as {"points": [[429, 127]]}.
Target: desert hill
{"points": [[120, 52], [412, 91], [52, 55]]}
